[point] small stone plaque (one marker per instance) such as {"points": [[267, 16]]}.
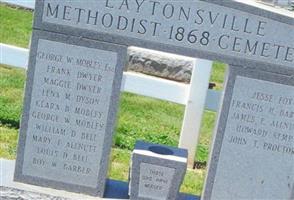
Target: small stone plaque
{"points": [[157, 172], [253, 153], [71, 99], [155, 181]]}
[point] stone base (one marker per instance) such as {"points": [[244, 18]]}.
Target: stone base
{"points": [[12, 193], [14, 190]]}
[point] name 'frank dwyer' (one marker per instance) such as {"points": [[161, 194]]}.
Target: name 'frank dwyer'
{"points": [[172, 21]]}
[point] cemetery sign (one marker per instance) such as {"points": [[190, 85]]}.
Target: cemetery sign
{"points": [[194, 27]]}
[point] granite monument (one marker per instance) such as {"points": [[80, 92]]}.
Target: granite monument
{"points": [[253, 154], [157, 172], [72, 90], [254, 133]]}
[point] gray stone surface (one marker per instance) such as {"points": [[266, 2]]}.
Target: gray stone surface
{"points": [[17, 194], [253, 150], [71, 98], [13, 194], [157, 172], [13, 190], [168, 66], [283, 3], [230, 31], [224, 30]]}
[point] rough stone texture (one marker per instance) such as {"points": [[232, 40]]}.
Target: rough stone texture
{"points": [[71, 150], [157, 172], [253, 145], [168, 66], [16, 194]]}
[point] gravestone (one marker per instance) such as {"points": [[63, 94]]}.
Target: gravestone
{"points": [[253, 147], [253, 154], [157, 172], [72, 90], [258, 45]]}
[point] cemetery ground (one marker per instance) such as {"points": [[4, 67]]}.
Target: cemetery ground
{"points": [[139, 117]]}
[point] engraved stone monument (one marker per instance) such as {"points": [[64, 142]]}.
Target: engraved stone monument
{"points": [[72, 90], [223, 30], [157, 172], [253, 147], [75, 69], [253, 155]]}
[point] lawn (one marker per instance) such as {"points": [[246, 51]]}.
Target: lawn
{"points": [[139, 117], [15, 26]]}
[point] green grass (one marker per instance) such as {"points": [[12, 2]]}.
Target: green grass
{"points": [[8, 142], [218, 74], [143, 118], [11, 92], [207, 128], [15, 26], [139, 118]]}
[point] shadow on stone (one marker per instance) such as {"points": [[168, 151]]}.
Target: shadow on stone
{"points": [[119, 190], [116, 189], [188, 197]]}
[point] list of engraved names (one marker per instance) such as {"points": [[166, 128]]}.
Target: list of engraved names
{"points": [[263, 120], [155, 181], [258, 145], [68, 112]]}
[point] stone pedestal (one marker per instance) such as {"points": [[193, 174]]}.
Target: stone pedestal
{"points": [[157, 172]]}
